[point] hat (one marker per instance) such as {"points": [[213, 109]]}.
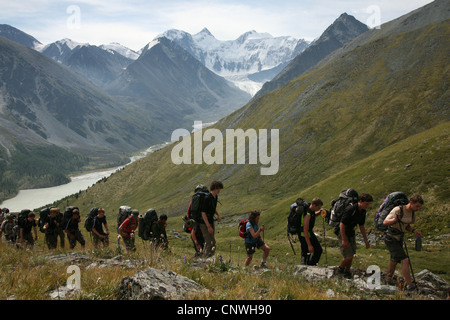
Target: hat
{"points": [[135, 213]]}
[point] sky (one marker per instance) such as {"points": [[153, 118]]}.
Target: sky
{"points": [[134, 23]]}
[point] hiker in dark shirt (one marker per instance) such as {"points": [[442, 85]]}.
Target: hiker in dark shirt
{"points": [[52, 228], [98, 234], [308, 240], [72, 230], [25, 227], [207, 222], [158, 233], [345, 230]]}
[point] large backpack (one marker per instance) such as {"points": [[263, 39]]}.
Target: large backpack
{"points": [[346, 197], [89, 221], [43, 216], [195, 207], [241, 227], [145, 224], [23, 216], [295, 217], [124, 213], [68, 214], [393, 200]]}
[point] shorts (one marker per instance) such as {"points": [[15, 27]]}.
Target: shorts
{"points": [[351, 250], [395, 248], [251, 247]]}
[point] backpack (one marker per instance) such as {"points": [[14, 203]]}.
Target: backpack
{"points": [[346, 197], [145, 224], [23, 216], [43, 216], [68, 214], [241, 227], [393, 200], [200, 193], [89, 222], [124, 212], [295, 217]]}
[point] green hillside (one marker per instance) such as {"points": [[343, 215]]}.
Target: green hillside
{"points": [[330, 119]]}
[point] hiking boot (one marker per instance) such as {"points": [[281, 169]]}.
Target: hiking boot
{"points": [[411, 287], [263, 265]]}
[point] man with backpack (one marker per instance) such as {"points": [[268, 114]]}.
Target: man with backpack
{"points": [[8, 228], [27, 223], [51, 227], [253, 239], [98, 234], [206, 223], [353, 214], [127, 230], [72, 229], [158, 235], [311, 248], [398, 221]]}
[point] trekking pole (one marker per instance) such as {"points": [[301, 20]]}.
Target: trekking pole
{"points": [[410, 265], [263, 232], [325, 243], [290, 241]]}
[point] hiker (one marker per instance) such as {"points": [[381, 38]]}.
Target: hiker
{"points": [[345, 230], [3, 213], [209, 209], [127, 229], [311, 248], [158, 236], [253, 238], [72, 230], [25, 226], [98, 234], [60, 229], [8, 227], [398, 221], [51, 228]]}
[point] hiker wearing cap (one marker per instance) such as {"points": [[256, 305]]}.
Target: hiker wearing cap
{"points": [[98, 234], [311, 248], [253, 238], [399, 220], [127, 230], [208, 210], [72, 230], [345, 230]]}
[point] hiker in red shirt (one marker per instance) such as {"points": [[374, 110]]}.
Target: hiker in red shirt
{"points": [[127, 229]]}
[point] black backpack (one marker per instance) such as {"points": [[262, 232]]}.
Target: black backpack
{"points": [[393, 200], [200, 193], [346, 197], [295, 217], [68, 214], [43, 216], [23, 216], [145, 224], [89, 221], [124, 212]]}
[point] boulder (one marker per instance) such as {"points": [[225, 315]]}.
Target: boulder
{"points": [[154, 284]]}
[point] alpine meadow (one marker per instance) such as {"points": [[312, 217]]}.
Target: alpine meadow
{"points": [[373, 115]]}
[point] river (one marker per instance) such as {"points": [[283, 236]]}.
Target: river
{"points": [[36, 198]]}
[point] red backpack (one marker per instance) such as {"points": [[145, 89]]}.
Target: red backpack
{"points": [[242, 231]]}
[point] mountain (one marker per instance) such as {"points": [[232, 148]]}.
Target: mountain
{"points": [[374, 119], [251, 54], [19, 36], [343, 29], [175, 87], [43, 103], [97, 64]]}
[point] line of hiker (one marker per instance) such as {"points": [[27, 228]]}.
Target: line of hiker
{"points": [[349, 210], [21, 229], [394, 217]]}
